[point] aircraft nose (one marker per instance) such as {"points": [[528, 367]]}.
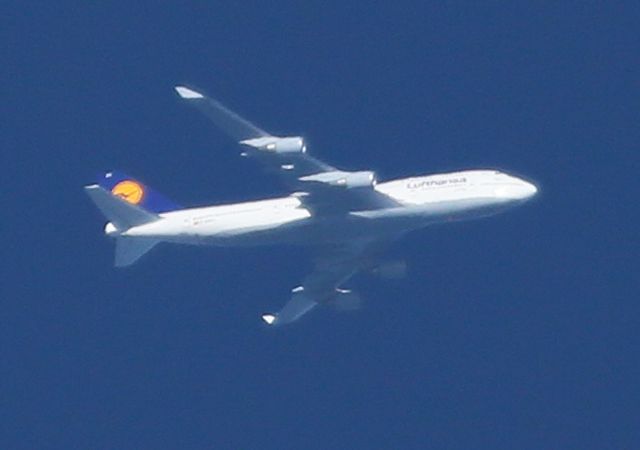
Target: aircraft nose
{"points": [[525, 190], [528, 189], [517, 189]]}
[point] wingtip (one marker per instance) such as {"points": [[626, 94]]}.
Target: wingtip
{"points": [[269, 319], [187, 93]]}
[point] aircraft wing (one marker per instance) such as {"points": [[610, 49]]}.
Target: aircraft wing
{"points": [[324, 189], [333, 266]]}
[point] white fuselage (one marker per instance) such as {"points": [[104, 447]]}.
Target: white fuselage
{"points": [[421, 201]]}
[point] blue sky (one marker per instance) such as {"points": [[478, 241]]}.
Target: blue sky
{"points": [[519, 331]]}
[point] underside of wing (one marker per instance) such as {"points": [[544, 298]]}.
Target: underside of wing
{"points": [[286, 156], [225, 119], [325, 189], [333, 266]]}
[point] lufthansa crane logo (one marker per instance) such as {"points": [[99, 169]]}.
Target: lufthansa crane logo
{"points": [[129, 191]]}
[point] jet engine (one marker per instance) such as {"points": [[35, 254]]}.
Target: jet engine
{"points": [[277, 144], [357, 180], [347, 180]]}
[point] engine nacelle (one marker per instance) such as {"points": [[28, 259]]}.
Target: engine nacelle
{"points": [[361, 179], [282, 145], [347, 180]]}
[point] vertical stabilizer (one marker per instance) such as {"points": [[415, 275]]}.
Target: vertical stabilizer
{"points": [[135, 192], [120, 212], [124, 206]]}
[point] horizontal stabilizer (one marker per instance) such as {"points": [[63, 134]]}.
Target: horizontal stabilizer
{"points": [[121, 213], [129, 250]]}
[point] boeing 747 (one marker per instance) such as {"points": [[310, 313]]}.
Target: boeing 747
{"points": [[347, 217]]}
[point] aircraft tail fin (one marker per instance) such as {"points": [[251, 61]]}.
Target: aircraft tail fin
{"points": [[121, 213], [135, 192], [127, 203], [129, 250]]}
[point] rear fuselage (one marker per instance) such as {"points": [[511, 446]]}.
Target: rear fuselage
{"points": [[421, 201]]}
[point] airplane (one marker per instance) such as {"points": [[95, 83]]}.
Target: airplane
{"points": [[348, 218]]}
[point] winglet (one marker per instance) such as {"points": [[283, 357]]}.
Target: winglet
{"points": [[269, 318], [187, 93]]}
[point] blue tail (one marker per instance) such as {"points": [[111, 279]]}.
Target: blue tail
{"points": [[136, 193]]}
